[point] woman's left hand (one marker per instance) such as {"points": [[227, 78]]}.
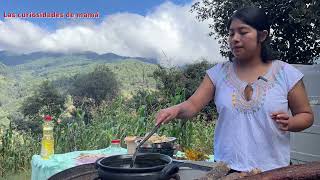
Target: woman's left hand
{"points": [[282, 119]]}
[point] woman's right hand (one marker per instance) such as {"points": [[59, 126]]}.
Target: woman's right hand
{"points": [[166, 115]]}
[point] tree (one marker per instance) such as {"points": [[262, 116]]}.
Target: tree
{"points": [[98, 85], [45, 100], [295, 25], [178, 84], [188, 77]]}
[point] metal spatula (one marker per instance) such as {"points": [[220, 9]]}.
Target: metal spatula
{"points": [[143, 141]]}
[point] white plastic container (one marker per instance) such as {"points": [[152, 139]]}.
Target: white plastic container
{"points": [[131, 145]]}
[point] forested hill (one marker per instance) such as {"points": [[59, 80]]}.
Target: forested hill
{"points": [[18, 80]]}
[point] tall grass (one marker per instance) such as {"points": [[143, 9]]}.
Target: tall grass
{"points": [[16, 149], [110, 120]]}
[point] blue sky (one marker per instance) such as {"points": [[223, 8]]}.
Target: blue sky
{"points": [[138, 28], [104, 7]]}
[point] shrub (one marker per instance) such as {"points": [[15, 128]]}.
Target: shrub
{"points": [[99, 85]]}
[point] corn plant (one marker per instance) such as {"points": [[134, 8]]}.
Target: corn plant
{"points": [[109, 121]]}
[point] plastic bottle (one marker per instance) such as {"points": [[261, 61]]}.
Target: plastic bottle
{"points": [[47, 143], [115, 147]]}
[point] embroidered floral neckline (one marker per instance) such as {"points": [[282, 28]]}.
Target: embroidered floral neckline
{"points": [[260, 87], [244, 83]]}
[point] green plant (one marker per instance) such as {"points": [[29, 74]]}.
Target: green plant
{"points": [[15, 150]]}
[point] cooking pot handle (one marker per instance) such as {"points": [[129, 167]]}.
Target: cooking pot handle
{"points": [[169, 170], [97, 167], [96, 163]]}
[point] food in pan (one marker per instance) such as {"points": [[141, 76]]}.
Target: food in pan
{"points": [[158, 139]]}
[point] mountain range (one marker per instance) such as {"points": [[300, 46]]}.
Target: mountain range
{"points": [[12, 59]]}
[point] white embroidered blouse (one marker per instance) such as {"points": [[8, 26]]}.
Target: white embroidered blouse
{"points": [[245, 135]]}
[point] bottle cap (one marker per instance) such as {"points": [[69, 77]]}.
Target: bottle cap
{"points": [[130, 139], [115, 141]]}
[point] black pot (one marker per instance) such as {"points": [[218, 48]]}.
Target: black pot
{"points": [[148, 166]]}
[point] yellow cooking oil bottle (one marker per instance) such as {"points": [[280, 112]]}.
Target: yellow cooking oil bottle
{"points": [[47, 142]]}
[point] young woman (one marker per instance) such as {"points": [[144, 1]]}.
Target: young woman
{"points": [[253, 94]]}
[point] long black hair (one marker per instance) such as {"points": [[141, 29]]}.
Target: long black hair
{"points": [[258, 19]]}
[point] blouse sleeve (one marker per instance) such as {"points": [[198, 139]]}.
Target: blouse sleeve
{"points": [[292, 76], [214, 73]]}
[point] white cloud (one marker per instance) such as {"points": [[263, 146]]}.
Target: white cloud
{"points": [[169, 32], [20, 36]]}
